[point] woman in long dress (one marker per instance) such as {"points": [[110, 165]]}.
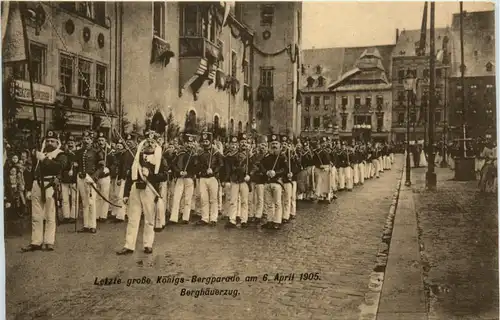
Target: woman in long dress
{"points": [[423, 158], [488, 180]]}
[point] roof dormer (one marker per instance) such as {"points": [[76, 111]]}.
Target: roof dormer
{"points": [[321, 81], [310, 81], [489, 66]]}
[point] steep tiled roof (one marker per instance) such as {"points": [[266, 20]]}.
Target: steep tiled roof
{"points": [[407, 40], [330, 62], [336, 62]]}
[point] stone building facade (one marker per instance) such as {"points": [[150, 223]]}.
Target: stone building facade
{"points": [[202, 65], [73, 54], [479, 110], [406, 60]]}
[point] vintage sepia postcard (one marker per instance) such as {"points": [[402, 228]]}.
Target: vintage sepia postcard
{"points": [[249, 160]]}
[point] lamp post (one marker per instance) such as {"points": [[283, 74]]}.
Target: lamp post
{"points": [[409, 85], [430, 175]]}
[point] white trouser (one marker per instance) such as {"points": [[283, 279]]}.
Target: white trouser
{"points": [[342, 178], [333, 179], [293, 203], [380, 164], [88, 196], [209, 199], [375, 169], [184, 188], [348, 177], [239, 194], [227, 199], [116, 197], [68, 191], [287, 199], [355, 173], [258, 200], [142, 200], [102, 207], [40, 212], [272, 196]]}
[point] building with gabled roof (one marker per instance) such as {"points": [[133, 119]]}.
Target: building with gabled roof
{"points": [[335, 81]]}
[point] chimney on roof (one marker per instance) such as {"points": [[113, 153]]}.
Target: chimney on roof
{"points": [[397, 35]]}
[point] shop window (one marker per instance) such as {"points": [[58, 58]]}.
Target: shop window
{"points": [[159, 8], [84, 72], [66, 71]]}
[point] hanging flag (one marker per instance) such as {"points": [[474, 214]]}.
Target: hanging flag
{"points": [[13, 48], [440, 55], [227, 8], [5, 16]]}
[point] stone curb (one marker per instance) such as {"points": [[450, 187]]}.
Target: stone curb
{"points": [[369, 309]]}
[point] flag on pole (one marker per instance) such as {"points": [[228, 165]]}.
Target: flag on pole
{"points": [[13, 41]]}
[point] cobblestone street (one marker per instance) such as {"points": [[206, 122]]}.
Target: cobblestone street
{"points": [[459, 237], [339, 241]]}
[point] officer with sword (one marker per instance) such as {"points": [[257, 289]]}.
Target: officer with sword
{"points": [[141, 193], [53, 161], [68, 184]]}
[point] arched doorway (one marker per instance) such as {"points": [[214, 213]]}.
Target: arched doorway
{"points": [[240, 126], [231, 126], [190, 124]]}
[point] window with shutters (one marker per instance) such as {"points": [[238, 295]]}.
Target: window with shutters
{"points": [[317, 122], [357, 101], [368, 101], [307, 122], [316, 101]]}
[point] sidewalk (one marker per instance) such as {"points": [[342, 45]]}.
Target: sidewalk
{"points": [[455, 276]]}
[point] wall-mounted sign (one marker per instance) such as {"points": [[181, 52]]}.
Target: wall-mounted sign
{"points": [[77, 118], [20, 90]]}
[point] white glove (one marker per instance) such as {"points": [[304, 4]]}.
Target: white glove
{"points": [[106, 170], [7, 205], [40, 156], [28, 195], [183, 173], [145, 172], [89, 180], [70, 173], [125, 200], [247, 178], [75, 164], [209, 171], [271, 173], [289, 175]]}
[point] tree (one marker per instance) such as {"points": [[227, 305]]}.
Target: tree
{"points": [[125, 124], [173, 129]]}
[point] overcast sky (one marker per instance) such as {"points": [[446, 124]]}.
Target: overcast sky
{"points": [[345, 24]]}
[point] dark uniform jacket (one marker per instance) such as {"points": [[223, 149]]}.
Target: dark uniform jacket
{"points": [[209, 159], [256, 175], [65, 177], [276, 163], [185, 161], [237, 166], [152, 178], [51, 168], [88, 162]]}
